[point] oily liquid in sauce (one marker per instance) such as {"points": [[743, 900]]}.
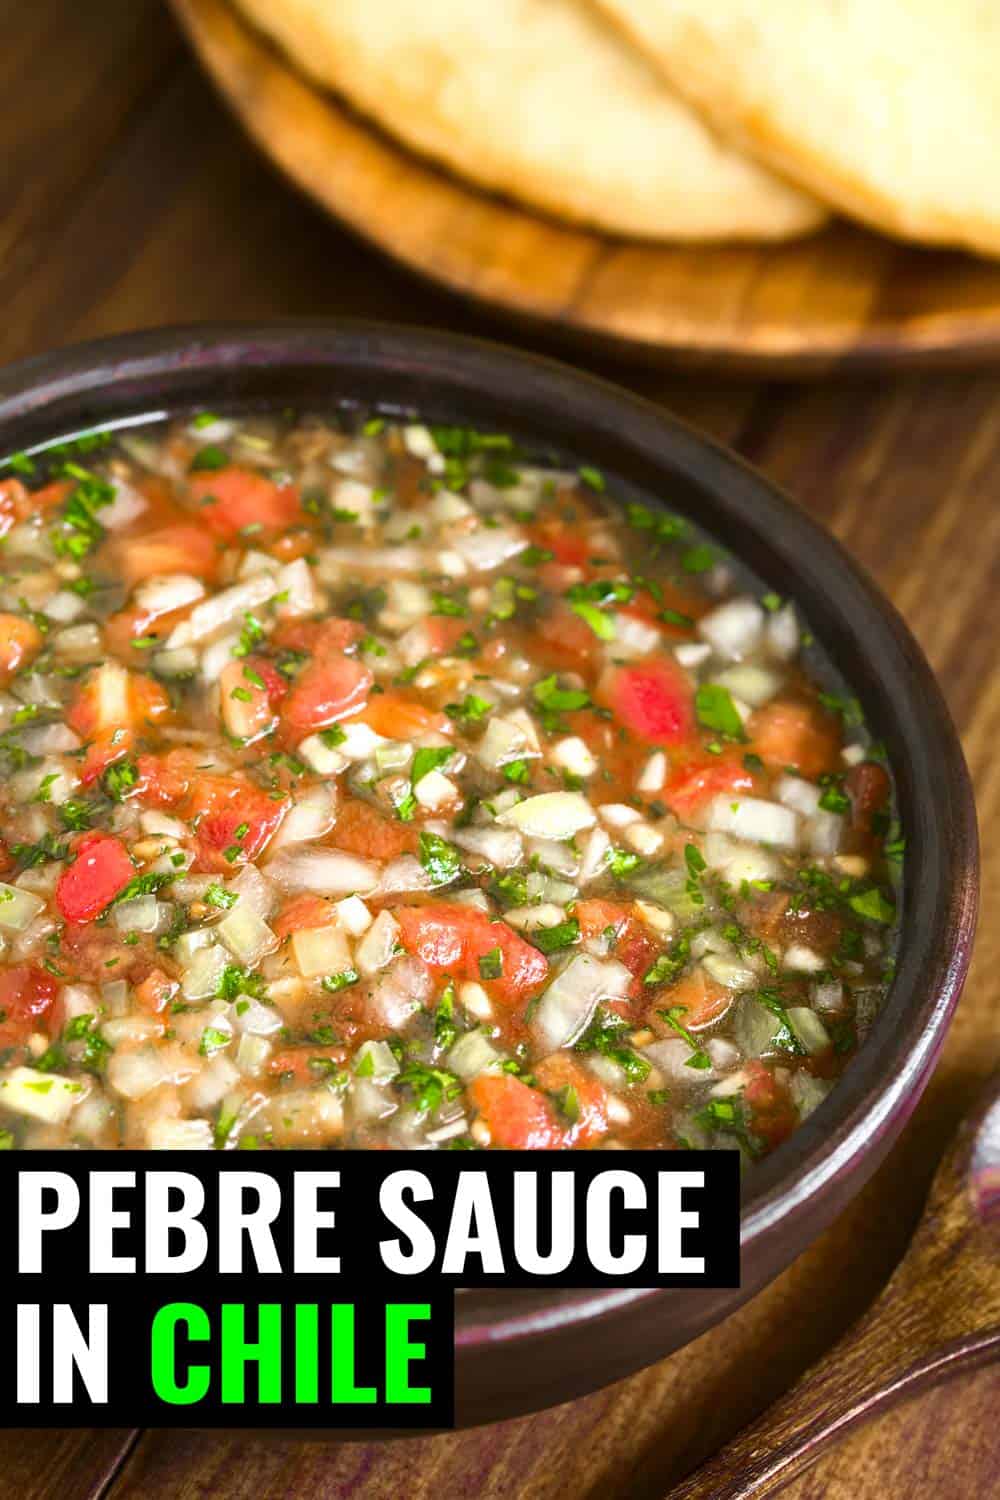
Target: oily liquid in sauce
{"points": [[367, 785]]}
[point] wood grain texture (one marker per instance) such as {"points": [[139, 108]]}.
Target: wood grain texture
{"points": [[841, 296], [939, 1316], [132, 198]]}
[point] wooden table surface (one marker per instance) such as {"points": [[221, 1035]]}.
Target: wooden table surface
{"points": [[131, 199]]}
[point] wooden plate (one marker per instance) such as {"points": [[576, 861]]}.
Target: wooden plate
{"points": [[842, 296]]}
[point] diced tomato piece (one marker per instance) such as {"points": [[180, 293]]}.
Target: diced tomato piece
{"points": [[14, 504], [100, 869], [20, 643], [452, 939], [164, 780], [51, 495], [298, 1062], [234, 820], [399, 718], [293, 545], [633, 945], [27, 1000], [772, 1113], [108, 709], [565, 642], [171, 549], [234, 498], [702, 1000], [275, 682], [568, 546], [581, 1093], [302, 912], [443, 633], [362, 829], [319, 638], [148, 701], [325, 692], [653, 699], [868, 788], [694, 781], [247, 712], [800, 735], [155, 992], [517, 1117]]}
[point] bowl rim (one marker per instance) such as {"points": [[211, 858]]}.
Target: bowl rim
{"points": [[808, 1179]]}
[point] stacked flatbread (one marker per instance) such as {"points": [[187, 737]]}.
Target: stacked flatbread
{"points": [[683, 119]]}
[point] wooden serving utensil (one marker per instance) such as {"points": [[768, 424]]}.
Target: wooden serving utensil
{"points": [[938, 1315]]}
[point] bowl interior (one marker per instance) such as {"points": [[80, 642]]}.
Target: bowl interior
{"points": [[649, 456]]}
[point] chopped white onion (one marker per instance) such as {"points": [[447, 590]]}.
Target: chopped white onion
{"points": [[404, 987], [734, 628], [567, 1006], [169, 591], [561, 859], [692, 654], [500, 847], [783, 632], [136, 1074], [18, 908], [828, 996], [203, 974], [404, 874], [353, 915], [803, 959], [738, 862], [222, 609], [552, 815], [755, 820], [800, 795], [141, 914], [489, 547], [671, 1057], [823, 833], [49, 1097], [320, 757], [180, 1135], [212, 1083], [755, 685], [634, 637], [328, 872], [731, 973], [644, 839], [594, 857], [653, 774], [321, 951], [574, 755], [435, 790], [153, 822], [378, 946], [246, 935], [65, 607], [809, 1029], [376, 1060], [296, 581], [255, 890], [310, 817], [126, 507], [471, 1055], [618, 814]]}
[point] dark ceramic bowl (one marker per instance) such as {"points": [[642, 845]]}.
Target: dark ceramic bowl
{"points": [[520, 1351]]}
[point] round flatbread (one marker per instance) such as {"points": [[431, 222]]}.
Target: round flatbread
{"points": [[542, 100], [888, 109]]}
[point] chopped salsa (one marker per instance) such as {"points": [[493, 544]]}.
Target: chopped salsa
{"points": [[372, 784]]}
